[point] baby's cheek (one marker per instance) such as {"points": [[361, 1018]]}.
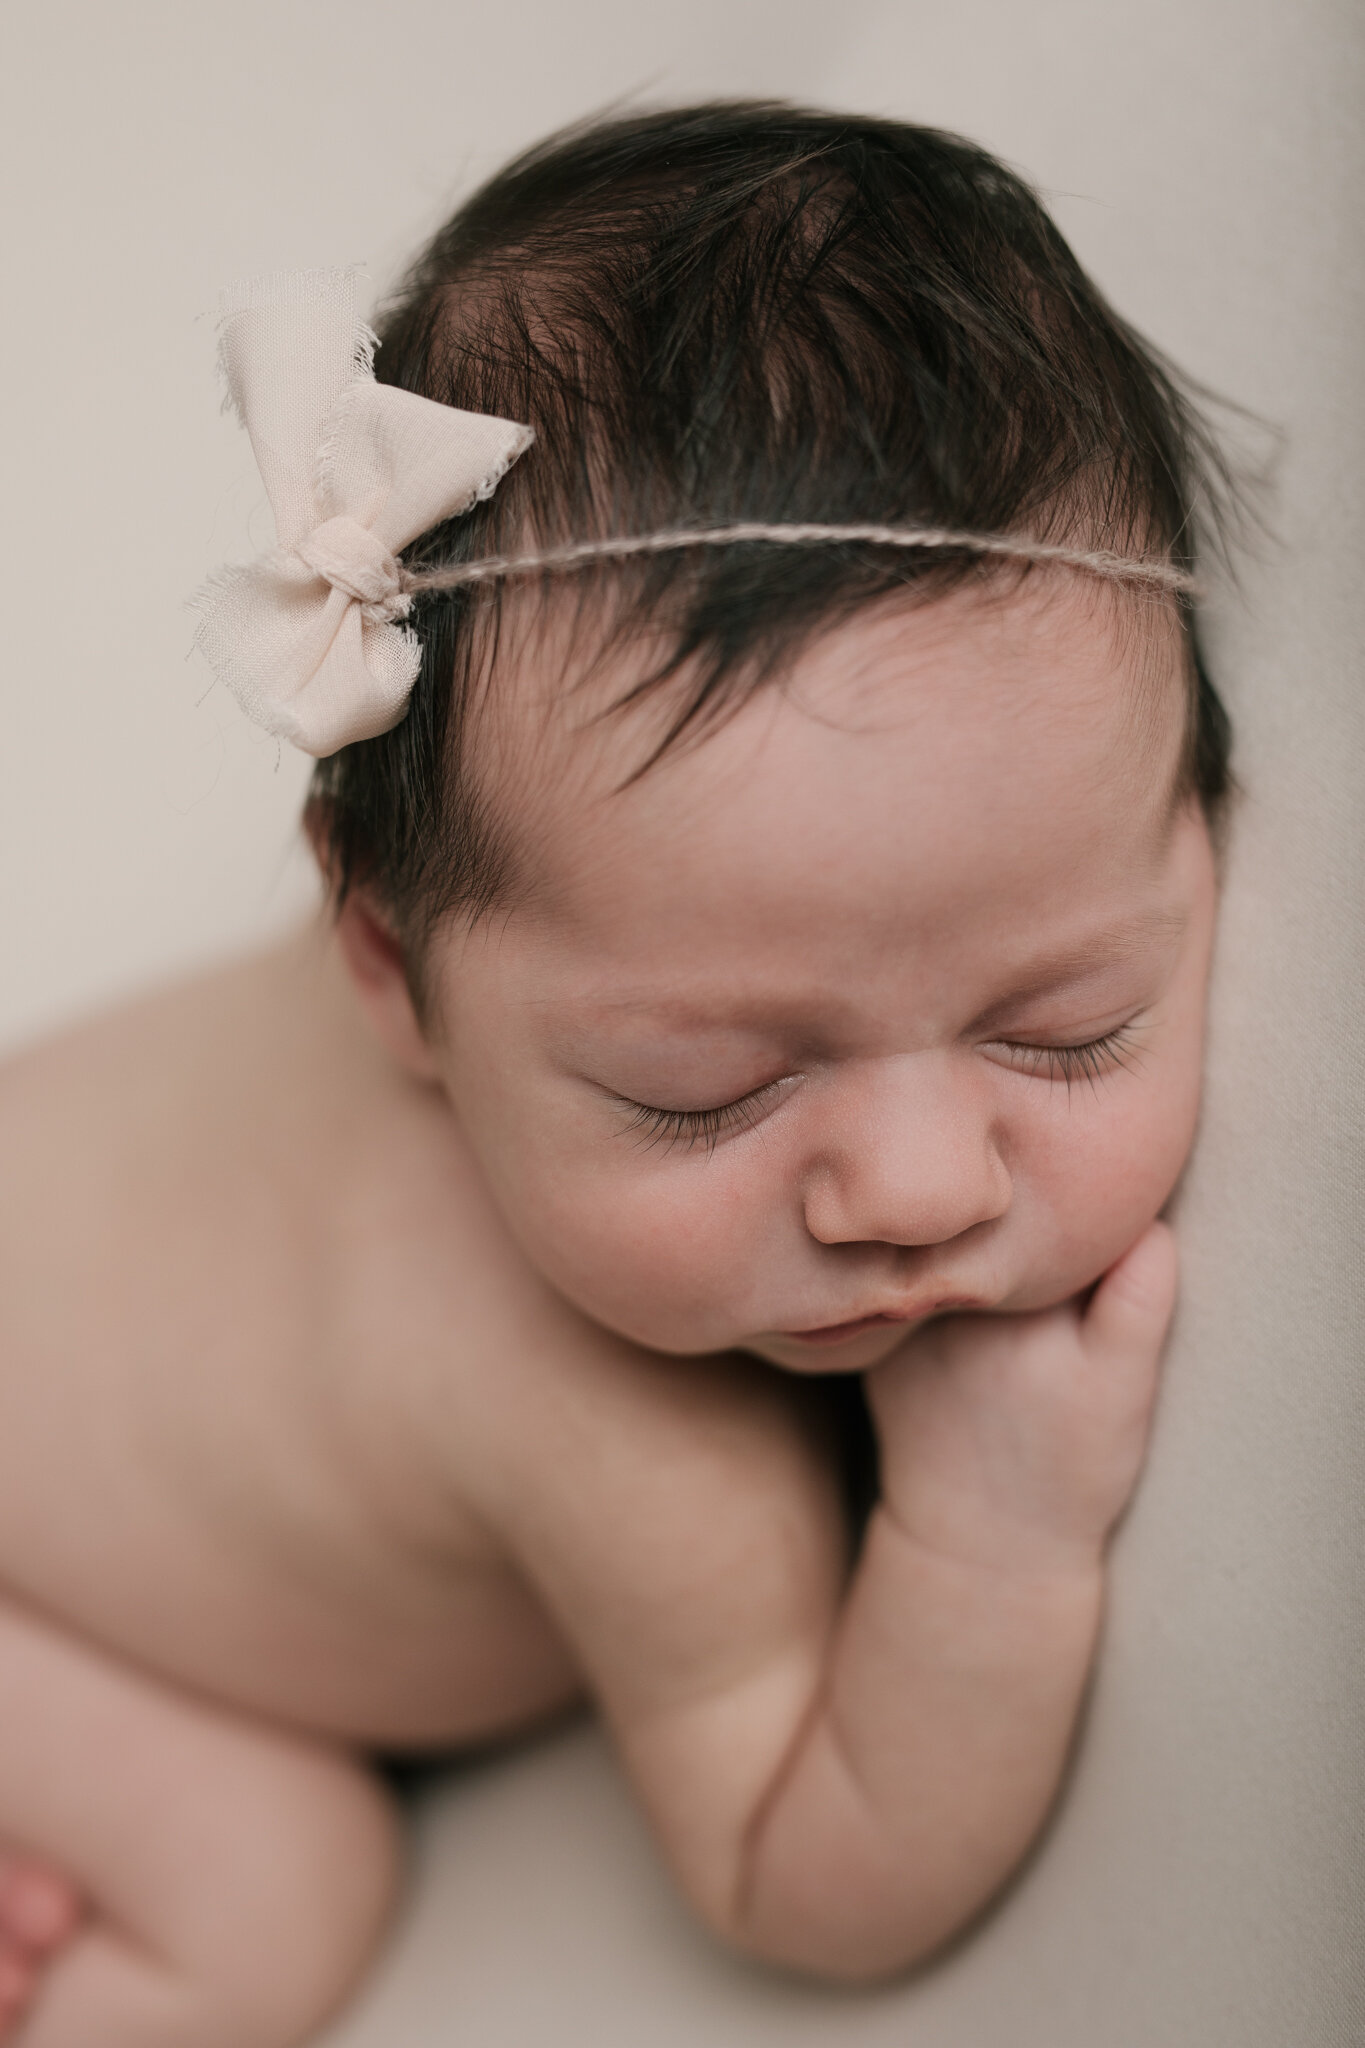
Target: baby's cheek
{"points": [[666, 1259], [1092, 1186]]}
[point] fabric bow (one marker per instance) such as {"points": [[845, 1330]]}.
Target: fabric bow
{"points": [[307, 637]]}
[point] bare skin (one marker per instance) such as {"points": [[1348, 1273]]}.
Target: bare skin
{"points": [[39, 1913], [368, 1383]]}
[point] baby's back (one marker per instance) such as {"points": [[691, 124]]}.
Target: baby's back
{"points": [[230, 1244]]}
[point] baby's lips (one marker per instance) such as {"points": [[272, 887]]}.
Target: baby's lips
{"points": [[841, 1333]]}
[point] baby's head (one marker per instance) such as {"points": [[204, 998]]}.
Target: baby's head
{"points": [[805, 936]]}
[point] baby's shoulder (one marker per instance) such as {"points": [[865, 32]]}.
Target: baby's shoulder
{"points": [[153, 1157], [232, 1170], [133, 1091]]}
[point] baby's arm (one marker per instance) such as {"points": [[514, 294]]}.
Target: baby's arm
{"points": [[1009, 1448], [841, 1777]]}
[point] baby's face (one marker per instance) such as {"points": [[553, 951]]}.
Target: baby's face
{"points": [[884, 998]]}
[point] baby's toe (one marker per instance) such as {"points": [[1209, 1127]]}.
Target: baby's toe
{"points": [[38, 1908], [17, 1978]]}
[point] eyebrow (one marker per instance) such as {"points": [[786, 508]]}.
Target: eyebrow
{"points": [[1112, 948]]}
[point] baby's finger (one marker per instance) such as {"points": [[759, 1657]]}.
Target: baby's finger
{"points": [[1132, 1305]]}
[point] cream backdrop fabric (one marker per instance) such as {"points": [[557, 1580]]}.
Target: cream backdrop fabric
{"points": [[1204, 1882]]}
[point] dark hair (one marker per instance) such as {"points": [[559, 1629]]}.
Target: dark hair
{"points": [[753, 311]]}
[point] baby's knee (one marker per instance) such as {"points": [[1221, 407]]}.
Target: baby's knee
{"points": [[286, 1895], [235, 1878], [282, 1894], [318, 1906]]}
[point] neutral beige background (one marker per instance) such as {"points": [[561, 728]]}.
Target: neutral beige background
{"points": [[1206, 1881]]}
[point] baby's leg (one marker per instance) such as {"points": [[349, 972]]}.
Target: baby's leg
{"points": [[235, 1876]]}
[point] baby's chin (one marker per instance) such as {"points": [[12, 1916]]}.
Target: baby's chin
{"points": [[847, 1349]]}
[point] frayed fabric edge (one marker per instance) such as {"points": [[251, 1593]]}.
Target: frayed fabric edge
{"points": [[525, 436], [292, 288]]}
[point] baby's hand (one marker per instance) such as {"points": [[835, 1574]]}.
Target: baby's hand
{"points": [[1015, 1441]]}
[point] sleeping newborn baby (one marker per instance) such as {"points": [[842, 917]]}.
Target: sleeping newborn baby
{"points": [[761, 968]]}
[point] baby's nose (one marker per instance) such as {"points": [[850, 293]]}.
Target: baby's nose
{"points": [[909, 1157]]}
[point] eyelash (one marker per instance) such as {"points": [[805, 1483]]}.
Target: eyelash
{"points": [[691, 1127], [1088, 1062]]}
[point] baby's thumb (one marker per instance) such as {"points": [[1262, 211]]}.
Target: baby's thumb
{"points": [[1131, 1307]]}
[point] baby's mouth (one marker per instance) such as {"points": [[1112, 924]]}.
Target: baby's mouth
{"points": [[840, 1333], [844, 1333]]}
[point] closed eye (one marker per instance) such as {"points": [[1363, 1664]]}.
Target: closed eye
{"points": [[1089, 1061], [691, 1127]]}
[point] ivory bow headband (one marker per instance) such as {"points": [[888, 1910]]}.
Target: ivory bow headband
{"points": [[309, 637]]}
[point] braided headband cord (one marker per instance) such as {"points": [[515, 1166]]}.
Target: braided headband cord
{"points": [[312, 637], [1113, 568]]}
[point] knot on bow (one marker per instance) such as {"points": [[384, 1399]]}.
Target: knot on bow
{"points": [[353, 559]]}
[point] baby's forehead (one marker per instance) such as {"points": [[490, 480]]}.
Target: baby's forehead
{"points": [[578, 702], [963, 739]]}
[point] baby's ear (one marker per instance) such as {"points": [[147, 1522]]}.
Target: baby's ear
{"points": [[317, 828], [374, 962], [371, 952]]}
